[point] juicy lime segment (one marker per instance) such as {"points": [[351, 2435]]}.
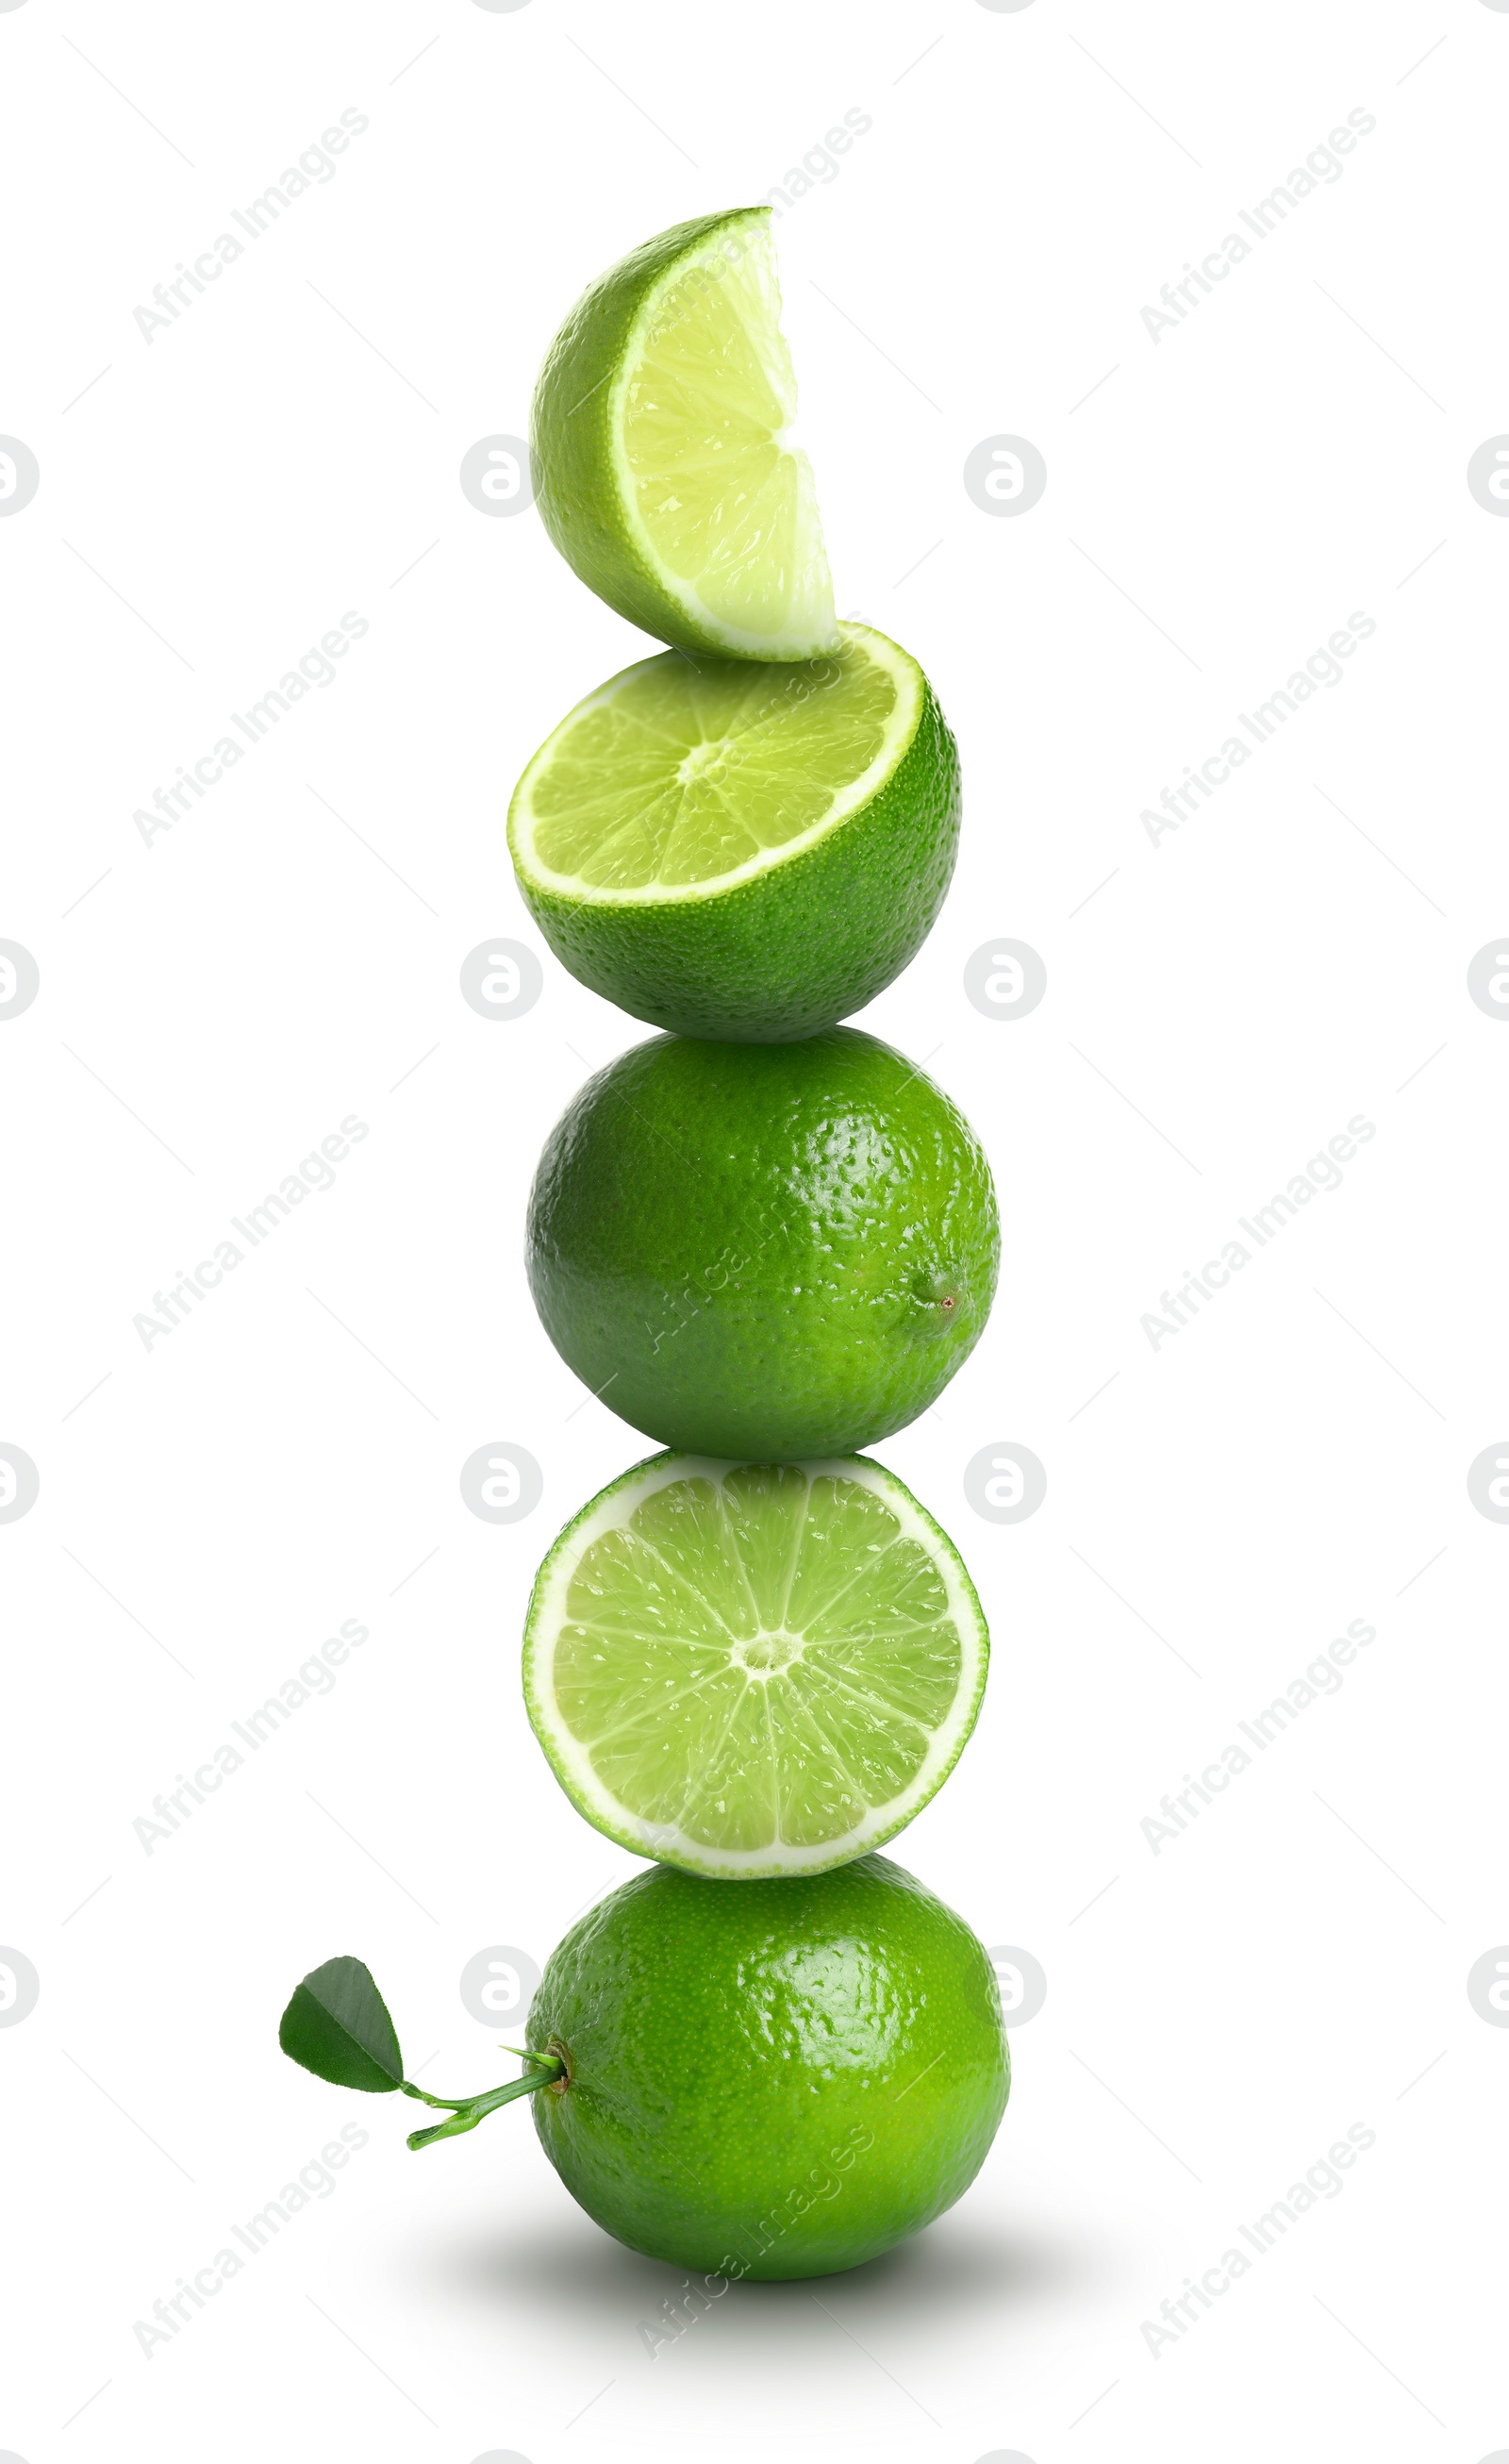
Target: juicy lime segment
{"points": [[725, 509], [679, 776], [753, 1669], [664, 470]]}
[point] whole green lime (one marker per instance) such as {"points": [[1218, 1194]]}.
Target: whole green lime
{"points": [[776, 1251], [738, 851], [780, 2080]]}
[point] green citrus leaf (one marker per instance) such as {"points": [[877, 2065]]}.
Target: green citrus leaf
{"points": [[338, 2026]]}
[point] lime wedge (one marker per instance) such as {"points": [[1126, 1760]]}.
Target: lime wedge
{"points": [[658, 438], [743, 852], [750, 1669]]}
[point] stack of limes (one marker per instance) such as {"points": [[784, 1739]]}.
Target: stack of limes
{"points": [[766, 1239]]}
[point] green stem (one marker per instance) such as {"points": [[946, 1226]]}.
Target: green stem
{"points": [[467, 2112]]}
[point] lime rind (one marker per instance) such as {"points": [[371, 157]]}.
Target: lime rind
{"points": [[898, 730], [791, 1752]]}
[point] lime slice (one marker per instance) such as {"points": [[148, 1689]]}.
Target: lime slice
{"points": [[749, 1669], [743, 852], [658, 439]]}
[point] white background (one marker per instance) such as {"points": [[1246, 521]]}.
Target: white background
{"points": [[1219, 1006]]}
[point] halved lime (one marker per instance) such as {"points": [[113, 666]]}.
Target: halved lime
{"points": [[747, 1669], [747, 854], [661, 465]]}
